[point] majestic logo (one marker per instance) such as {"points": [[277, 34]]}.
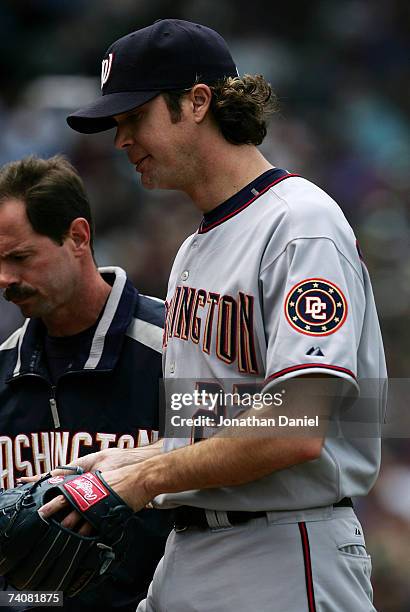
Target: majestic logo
{"points": [[315, 351], [86, 490], [106, 69], [316, 307]]}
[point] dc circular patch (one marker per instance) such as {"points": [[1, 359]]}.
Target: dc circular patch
{"points": [[316, 307]]}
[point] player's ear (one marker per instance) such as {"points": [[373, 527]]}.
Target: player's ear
{"points": [[79, 234], [200, 96]]}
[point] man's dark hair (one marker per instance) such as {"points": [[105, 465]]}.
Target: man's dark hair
{"points": [[52, 191], [240, 107]]}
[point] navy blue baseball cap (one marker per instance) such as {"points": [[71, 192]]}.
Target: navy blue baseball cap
{"points": [[169, 54]]}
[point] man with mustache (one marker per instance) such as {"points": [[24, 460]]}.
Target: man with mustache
{"points": [[18, 293], [82, 373]]}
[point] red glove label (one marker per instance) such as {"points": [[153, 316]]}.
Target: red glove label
{"points": [[86, 490]]}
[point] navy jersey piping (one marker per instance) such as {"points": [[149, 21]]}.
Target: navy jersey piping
{"points": [[236, 203]]}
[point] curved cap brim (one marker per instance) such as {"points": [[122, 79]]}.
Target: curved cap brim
{"points": [[98, 116]]}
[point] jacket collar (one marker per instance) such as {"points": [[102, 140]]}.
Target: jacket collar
{"points": [[103, 349]]}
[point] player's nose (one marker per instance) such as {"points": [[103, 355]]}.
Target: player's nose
{"points": [[7, 277], [123, 138]]}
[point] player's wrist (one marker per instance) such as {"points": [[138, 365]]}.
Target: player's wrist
{"points": [[151, 477]]}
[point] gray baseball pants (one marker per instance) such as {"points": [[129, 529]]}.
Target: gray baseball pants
{"points": [[302, 561]]}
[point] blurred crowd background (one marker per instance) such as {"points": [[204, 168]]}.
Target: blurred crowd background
{"points": [[339, 69]]}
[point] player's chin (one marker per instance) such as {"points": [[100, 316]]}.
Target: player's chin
{"points": [[151, 181], [28, 310], [36, 309], [148, 181]]}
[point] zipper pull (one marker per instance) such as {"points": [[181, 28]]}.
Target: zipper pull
{"points": [[54, 412]]}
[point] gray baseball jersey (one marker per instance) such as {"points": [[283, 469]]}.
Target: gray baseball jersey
{"points": [[272, 285]]}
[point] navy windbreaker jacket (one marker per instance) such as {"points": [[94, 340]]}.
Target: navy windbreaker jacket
{"points": [[108, 397]]}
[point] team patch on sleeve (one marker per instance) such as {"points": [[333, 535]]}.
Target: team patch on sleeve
{"points": [[316, 307]]}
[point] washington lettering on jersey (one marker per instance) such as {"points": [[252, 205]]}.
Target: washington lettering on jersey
{"points": [[274, 272], [194, 315], [39, 452]]}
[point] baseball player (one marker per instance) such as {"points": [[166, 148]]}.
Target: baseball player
{"points": [[82, 373], [272, 285]]}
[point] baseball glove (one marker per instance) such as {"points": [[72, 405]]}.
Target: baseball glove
{"points": [[40, 554]]}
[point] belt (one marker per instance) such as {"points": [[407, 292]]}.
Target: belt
{"points": [[189, 516]]}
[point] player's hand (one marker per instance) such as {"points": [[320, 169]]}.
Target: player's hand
{"points": [[105, 460], [118, 467], [124, 481], [73, 519], [89, 463]]}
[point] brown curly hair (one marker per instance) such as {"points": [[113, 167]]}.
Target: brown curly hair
{"points": [[240, 107]]}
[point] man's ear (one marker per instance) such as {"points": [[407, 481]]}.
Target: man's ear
{"points": [[79, 232], [200, 97]]}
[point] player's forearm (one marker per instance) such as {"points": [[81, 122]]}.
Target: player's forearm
{"points": [[247, 454], [222, 462]]}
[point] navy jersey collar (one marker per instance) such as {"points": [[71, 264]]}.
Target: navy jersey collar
{"points": [[101, 349], [236, 203]]}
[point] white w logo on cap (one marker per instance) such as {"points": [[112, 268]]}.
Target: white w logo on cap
{"points": [[106, 69]]}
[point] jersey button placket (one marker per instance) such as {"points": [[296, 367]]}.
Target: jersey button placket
{"points": [[185, 275]]}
